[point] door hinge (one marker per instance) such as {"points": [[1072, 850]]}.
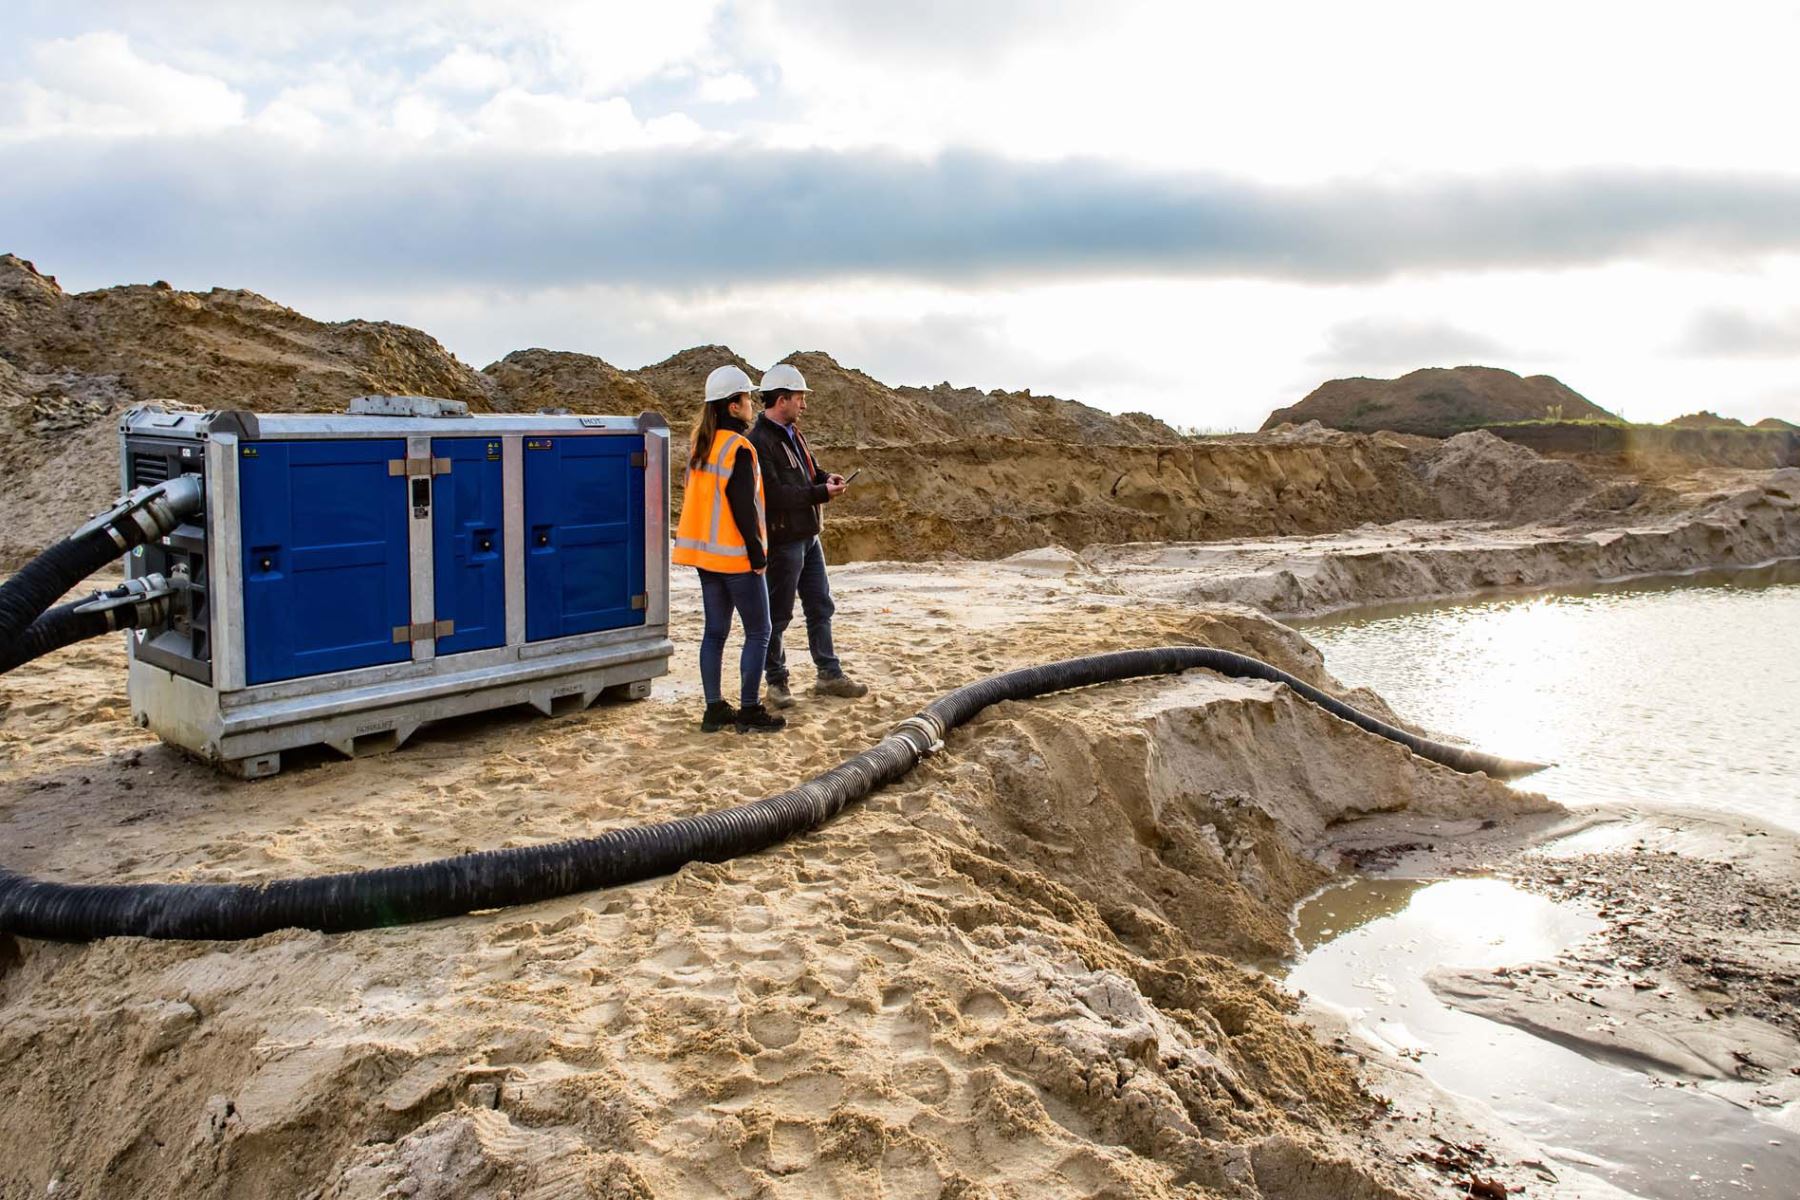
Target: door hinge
{"points": [[641, 600], [418, 466], [419, 631], [639, 458]]}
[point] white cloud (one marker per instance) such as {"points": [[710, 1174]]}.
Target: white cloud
{"points": [[466, 70], [96, 85], [1729, 331], [731, 88], [604, 46], [1405, 342], [522, 121], [417, 117], [1307, 91]]}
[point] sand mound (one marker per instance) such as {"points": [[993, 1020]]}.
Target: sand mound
{"points": [[1438, 402], [1706, 420], [1478, 476], [226, 348], [1015, 972], [534, 380]]}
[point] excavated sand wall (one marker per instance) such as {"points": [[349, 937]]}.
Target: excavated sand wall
{"points": [[990, 497], [1754, 525], [1647, 447]]}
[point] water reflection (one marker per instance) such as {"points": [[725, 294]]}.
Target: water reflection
{"points": [[1676, 691], [1652, 1139]]}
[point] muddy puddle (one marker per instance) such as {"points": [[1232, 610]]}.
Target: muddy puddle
{"points": [[1368, 946]]}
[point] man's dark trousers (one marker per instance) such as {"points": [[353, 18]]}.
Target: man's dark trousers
{"points": [[798, 569]]}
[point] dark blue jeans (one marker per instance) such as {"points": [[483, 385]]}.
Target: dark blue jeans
{"points": [[798, 568], [720, 593]]}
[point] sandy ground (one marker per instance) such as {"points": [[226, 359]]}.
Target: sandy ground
{"points": [[1028, 969], [1016, 973]]}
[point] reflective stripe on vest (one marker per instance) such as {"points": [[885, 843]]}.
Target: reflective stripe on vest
{"points": [[708, 536]]}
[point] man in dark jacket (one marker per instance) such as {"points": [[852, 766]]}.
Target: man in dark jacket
{"points": [[795, 488]]}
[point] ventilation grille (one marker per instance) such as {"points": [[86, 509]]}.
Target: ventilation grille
{"points": [[148, 468]]}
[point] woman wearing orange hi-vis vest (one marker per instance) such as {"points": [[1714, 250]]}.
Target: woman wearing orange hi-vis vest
{"points": [[723, 534]]}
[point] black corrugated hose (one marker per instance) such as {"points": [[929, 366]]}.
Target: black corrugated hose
{"points": [[148, 512], [65, 625], [25, 596], [496, 878]]}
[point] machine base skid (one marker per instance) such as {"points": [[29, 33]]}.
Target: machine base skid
{"points": [[248, 739]]}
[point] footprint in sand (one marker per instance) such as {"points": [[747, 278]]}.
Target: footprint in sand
{"points": [[792, 1147], [982, 1009], [924, 1078], [774, 1030]]}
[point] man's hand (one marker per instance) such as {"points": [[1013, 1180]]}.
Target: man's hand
{"points": [[834, 486]]}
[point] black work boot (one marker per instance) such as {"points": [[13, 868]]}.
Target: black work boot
{"points": [[718, 715], [754, 718]]}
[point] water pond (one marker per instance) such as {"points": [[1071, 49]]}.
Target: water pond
{"points": [[1678, 693]]}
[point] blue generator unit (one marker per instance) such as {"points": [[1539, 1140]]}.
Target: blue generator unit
{"points": [[352, 577]]}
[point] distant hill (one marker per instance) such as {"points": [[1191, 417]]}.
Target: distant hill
{"points": [[1438, 402], [1775, 423], [1706, 420]]}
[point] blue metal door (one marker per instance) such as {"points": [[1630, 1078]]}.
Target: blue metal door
{"points": [[584, 534], [468, 569], [326, 578]]}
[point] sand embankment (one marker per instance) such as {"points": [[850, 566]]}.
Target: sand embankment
{"points": [[1019, 971], [1746, 519]]}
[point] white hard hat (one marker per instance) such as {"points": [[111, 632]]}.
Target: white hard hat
{"points": [[726, 382], [783, 377]]}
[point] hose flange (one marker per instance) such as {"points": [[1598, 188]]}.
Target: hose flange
{"points": [[153, 510], [134, 604]]}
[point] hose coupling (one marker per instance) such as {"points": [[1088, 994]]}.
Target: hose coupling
{"points": [[134, 604], [931, 733], [155, 509]]}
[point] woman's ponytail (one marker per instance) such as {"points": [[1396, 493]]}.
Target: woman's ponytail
{"points": [[700, 448]]}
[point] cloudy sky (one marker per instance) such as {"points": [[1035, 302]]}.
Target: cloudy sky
{"points": [[1197, 210]]}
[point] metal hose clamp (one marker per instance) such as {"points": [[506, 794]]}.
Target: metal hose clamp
{"points": [[928, 726], [155, 509], [147, 598]]}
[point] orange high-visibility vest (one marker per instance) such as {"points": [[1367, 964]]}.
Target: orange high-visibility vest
{"points": [[708, 536]]}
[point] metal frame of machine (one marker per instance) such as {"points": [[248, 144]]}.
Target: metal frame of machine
{"points": [[217, 713]]}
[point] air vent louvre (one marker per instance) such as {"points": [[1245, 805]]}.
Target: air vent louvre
{"points": [[148, 468]]}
